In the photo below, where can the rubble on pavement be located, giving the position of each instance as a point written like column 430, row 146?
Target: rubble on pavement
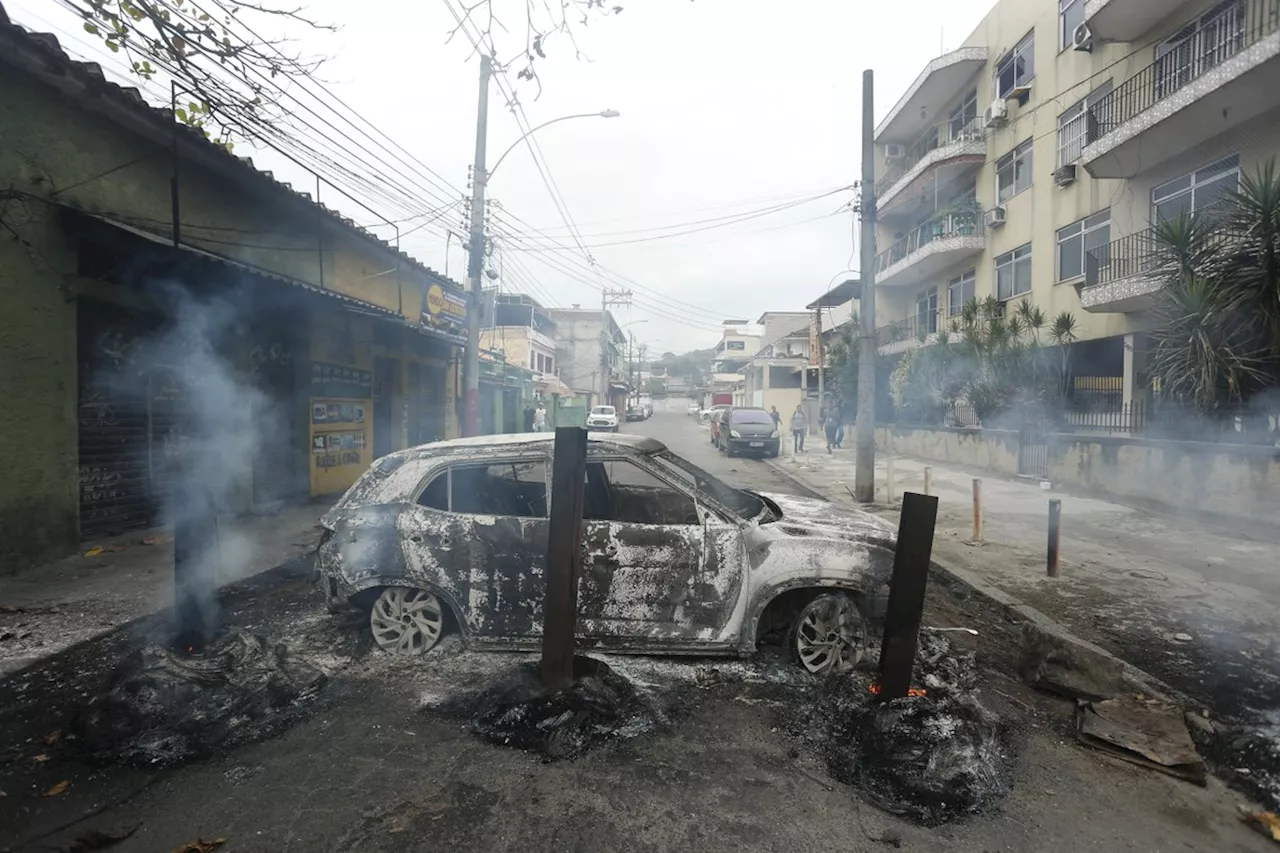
column 1055, row 661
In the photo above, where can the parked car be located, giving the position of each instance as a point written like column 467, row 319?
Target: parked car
column 603, row 417
column 648, row 410
column 694, row 409
column 707, row 414
column 635, row 413
column 748, row 430
column 453, row 536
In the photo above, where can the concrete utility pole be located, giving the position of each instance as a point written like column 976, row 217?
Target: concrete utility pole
column 608, row 296
column 819, row 355
column 864, row 482
column 475, row 262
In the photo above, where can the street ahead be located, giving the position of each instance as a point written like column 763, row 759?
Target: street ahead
column 375, row 768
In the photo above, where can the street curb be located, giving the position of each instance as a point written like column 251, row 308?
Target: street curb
column 1017, row 611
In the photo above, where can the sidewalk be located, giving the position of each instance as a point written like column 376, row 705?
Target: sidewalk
column 1196, row 606
column 49, row 608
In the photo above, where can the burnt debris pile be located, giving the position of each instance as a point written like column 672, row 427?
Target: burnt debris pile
column 933, row 757
column 599, row 706
column 162, row 707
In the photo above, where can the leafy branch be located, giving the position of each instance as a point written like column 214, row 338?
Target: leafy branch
column 230, row 76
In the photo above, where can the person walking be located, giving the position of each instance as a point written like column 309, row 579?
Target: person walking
column 799, row 426
column 528, row 418
column 540, row 419
column 777, row 417
column 830, row 425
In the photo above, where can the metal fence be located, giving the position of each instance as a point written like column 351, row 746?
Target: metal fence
column 915, row 327
column 959, row 223
column 1235, row 27
column 958, row 131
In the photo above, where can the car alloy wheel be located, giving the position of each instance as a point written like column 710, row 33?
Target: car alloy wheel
column 406, row 621
column 829, row 634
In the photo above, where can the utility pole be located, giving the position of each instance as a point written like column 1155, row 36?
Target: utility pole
column 608, row 296
column 475, row 262
column 819, row 355
column 864, row 482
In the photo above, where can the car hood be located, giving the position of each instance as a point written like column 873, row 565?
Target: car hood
column 810, row 518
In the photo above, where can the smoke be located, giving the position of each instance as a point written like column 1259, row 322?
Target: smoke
column 206, row 423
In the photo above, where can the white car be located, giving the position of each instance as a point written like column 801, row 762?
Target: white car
column 694, row 409
column 603, row 417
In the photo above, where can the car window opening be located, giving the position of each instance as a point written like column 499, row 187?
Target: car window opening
column 619, row 490
column 513, row 489
column 742, row 503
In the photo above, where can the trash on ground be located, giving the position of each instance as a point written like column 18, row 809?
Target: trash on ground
column 160, row 707
column 99, row 550
column 200, row 846
column 53, row 738
column 601, row 705
column 1268, row 823
column 1055, row 661
column 1149, row 734
column 58, row 789
column 932, row 757
column 157, row 539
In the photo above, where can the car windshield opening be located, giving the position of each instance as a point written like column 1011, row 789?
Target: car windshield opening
column 751, row 416
column 742, row 503
column 603, row 410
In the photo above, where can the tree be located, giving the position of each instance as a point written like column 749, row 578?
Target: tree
column 1217, row 340
column 228, row 77
column 842, row 366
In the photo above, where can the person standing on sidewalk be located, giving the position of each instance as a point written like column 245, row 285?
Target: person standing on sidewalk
column 777, row 417
column 799, row 426
column 540, row 419
column 830, row 424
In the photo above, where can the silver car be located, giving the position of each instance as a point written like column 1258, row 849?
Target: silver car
column 453, row 536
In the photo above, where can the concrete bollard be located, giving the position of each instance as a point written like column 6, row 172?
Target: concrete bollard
column 1055, row 529
column 888, row 477
column 928, row 480
column 977, row 510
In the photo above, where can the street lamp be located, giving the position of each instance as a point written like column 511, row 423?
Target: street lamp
column 532, row 130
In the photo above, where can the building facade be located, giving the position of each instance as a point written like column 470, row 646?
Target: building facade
column 779, row 372
column 270, row 341
column 591, row 352
column 1032, row 162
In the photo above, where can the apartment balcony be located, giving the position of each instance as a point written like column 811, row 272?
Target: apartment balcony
column 1216, row 80
column 1125, row 20
column 936, row 164
column 942, row 81
column 1121, row 276
column 918, row 330
column 927, row 251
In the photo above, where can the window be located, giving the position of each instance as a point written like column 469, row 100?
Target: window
column 964, row 118
column 620, row 490
column 1198, row 191
column 1013, row 273
column 1013, row 172
column 1075, row 241
column 503, row 488
column 1018, row 66
column 960, row 292
column 1073, row 125
column 927, row 312
column 551, row 368
column 1071, row 13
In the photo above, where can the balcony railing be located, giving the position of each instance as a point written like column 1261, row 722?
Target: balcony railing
column 1235, row 28
column 960, row 223
column 1121, row 259
column 955, row 131
column 916, row 327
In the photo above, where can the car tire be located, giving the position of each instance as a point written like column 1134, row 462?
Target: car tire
column 829, row 634
column 406, row 620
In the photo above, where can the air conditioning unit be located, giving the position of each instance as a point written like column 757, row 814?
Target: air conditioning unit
column 893, row 151
column 1065, row 175
column 1082, row 38
column 995, row 217
column 997, row 114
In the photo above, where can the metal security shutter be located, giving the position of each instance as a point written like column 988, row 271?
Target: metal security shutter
column 274, row 466
column 114, row 440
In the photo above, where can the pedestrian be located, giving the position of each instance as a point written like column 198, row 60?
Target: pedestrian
column 528, row 418
column 799, row 426
column 830, row 424
column 540, row 419
column 777, row 417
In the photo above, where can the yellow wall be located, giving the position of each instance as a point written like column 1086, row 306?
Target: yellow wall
column 340, row 342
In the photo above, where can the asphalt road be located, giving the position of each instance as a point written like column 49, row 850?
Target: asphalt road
column 373, row 768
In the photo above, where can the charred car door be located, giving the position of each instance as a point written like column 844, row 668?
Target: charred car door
column 499, row 510
column 646, row 578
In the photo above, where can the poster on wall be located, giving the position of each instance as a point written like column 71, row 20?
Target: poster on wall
column 335, row 380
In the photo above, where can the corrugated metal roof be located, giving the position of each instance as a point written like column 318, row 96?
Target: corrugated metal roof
column 96, row 84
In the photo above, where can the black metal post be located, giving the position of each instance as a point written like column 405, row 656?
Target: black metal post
column 906, row 593
column 1055, row 528
column 564, row 555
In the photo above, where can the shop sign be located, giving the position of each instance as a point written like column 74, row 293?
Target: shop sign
column 334, row 380
column 443, row 309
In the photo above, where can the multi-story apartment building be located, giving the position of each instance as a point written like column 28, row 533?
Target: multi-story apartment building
column 1031, row 162
column 590, row 353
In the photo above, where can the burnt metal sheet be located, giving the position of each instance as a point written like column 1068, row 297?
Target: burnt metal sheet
column 1149, row 734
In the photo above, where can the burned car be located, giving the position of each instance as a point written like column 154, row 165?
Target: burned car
column 452, row 536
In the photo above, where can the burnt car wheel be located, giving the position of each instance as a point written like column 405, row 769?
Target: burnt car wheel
column 829, row 635
column 406, row 621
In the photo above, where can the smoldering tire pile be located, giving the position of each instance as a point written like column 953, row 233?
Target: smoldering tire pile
column 931, row 758
column 161, row 708
column 599, row 706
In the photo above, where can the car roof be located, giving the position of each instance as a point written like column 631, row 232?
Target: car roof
column 514, row 441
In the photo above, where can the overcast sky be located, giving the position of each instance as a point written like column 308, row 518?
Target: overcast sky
column 736, row 105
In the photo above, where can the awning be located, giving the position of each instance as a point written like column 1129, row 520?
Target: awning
column 349, row 303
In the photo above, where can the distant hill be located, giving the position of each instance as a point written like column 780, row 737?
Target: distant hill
column 693, row 366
